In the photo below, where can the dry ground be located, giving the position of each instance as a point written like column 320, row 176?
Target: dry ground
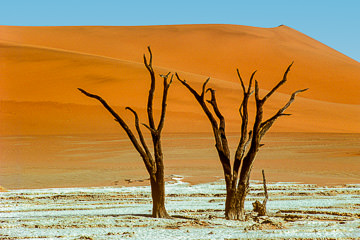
column 295, row 211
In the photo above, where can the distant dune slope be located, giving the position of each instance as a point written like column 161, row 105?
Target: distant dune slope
column 41, row 67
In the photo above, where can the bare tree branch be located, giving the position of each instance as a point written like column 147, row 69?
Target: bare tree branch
column 250, row 82
column 163, row 105
column 219, row 134
column 257, row 96
column 148, row 65
column 284, row 79
column 201, row 101
column 151, row 91
column 243, row 110
column 203, row 87
column 224, row 142
column 241, row 81
column 153, row 131
column 213, row 103
column 142, row 140
column 119, row 120
column 265, row 126
column 196, row 95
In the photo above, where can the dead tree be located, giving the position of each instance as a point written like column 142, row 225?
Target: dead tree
column 153, row 163
column 237, row 175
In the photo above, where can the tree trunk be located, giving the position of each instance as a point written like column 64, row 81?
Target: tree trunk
column 158, row 195
column 231, row 211
column 234, row 204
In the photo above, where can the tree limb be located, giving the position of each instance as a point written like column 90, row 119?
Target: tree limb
column 153, row 131
column 148, row 65
column 213, row 103
column 120, row 121
column 243, row 110
column 151, row 91
column 201, row 101
column 219, row 135
column 250, row 82
column 241, row 81
column 257, row 96
column 203, row 87
column 142, row 140
column 284, row 79
column 224, row 142
column 163, row 105
column 196, row 95
column 265, row 126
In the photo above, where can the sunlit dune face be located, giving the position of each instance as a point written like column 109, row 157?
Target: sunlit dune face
column 42, row 67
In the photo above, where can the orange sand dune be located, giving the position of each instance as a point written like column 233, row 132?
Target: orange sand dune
column 43, row 66
column 53, row 136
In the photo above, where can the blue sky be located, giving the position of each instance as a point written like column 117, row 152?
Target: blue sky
column 336, row 23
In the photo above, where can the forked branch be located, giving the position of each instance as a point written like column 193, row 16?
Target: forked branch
column 219, row 133
column 204, row 87
column 214, row 105
column 201, row 101
column 265, row 126
column 142, row 140
column 243, row 110
column 148, row 65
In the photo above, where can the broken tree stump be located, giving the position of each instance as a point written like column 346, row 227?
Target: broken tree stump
column 259, row 207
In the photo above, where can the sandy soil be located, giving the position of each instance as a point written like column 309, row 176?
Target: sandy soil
column 109, row 160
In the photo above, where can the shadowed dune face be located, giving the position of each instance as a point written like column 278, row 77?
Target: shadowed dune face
column 41, row 67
